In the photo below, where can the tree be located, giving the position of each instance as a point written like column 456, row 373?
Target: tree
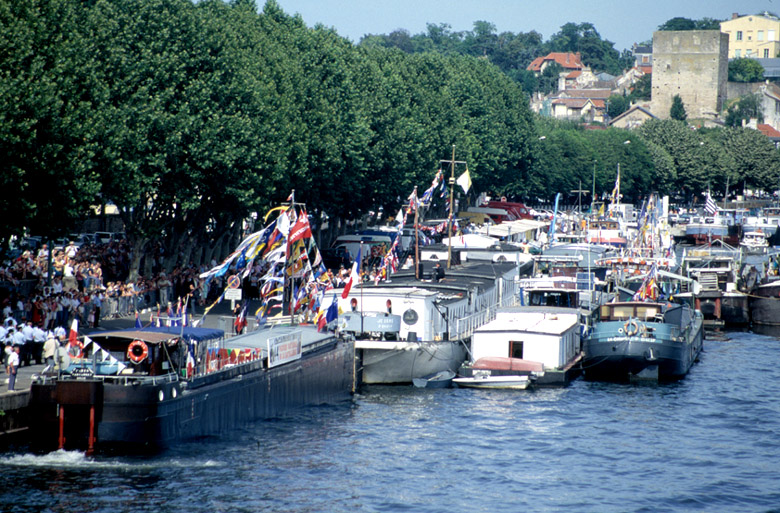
column 678, row 23
column 43, row 120
column 677, row 112
column 686, row 149
column 617, row 104
column 744, row 109
column 642, row 89
column 745, row 69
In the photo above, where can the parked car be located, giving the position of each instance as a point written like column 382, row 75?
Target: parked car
column 106, row 237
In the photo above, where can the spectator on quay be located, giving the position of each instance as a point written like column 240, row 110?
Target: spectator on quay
column 39, row 339
column 29, row 338
column 97, row 304
column 49, row 349
column 13, row 367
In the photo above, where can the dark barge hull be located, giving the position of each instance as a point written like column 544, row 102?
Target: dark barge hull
column 633, row 359
column 157, row 415
column 765, row 304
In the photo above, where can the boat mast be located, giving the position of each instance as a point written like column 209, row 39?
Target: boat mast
column 452, row 202
column 288, row 267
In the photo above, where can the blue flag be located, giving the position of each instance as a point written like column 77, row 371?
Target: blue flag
column 333, row 311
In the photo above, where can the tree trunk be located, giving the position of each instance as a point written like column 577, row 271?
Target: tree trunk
column 135, row 262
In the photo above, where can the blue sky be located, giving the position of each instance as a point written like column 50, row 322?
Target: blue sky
column 622, row 22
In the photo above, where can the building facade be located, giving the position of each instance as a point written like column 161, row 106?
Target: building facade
column 694, row 65
column 755, row 36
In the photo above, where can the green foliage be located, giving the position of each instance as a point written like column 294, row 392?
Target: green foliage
column 745, row 108
column 745, row 69
column 511, row 52
column 597, row 53
column 548, row 80
column 642, row 89
column 679, row 23
column 689, row 158
column 677, row 111
column 617, row 104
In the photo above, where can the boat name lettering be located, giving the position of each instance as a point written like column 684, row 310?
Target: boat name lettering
column 637, row 339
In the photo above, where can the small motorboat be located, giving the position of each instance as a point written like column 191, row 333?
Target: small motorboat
column 441, row 379
column 480, row 380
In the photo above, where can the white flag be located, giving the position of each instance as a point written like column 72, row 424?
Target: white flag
column 464, row 181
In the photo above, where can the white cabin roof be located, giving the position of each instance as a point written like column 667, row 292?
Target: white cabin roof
column 548, row 323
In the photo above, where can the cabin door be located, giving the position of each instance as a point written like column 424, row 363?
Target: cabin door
column 515, row 349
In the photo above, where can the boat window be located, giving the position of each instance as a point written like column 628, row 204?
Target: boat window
column 644, row 312
column 622, row 312
column 515, row 349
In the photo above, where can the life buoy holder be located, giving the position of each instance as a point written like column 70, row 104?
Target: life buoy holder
column 631, row 327
column 137, row 351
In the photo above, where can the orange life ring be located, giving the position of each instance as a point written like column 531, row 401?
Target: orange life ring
column 631, row 327
column 137, row 351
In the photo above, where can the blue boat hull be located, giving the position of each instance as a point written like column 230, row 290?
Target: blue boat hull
column 614, row 356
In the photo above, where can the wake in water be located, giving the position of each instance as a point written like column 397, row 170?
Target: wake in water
column 75, row 460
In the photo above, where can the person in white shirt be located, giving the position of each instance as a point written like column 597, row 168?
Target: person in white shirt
column 13, row 367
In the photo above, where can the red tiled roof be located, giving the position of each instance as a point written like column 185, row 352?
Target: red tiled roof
column 647, row 70
column 536, row 64
column 574, row 74
column 567, row 60
column 768, row 130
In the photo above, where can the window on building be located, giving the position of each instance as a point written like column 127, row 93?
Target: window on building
column 760, row 35
column 777, row 107
column 737, row 53
column 766, row 53
column 515, row 349
column 748, row 53
column 739, row 35
column 770, row 35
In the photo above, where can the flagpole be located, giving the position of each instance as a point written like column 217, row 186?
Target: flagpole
column 361, row 285
column 289, row 289
column 452, row 202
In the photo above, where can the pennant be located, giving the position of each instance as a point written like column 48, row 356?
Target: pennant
column 301, row 229
column 464, row 181
column 710, row 206
column 240, row 322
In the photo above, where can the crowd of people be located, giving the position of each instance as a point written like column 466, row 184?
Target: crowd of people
column 88, row 283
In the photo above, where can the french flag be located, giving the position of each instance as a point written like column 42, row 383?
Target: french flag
column 353, row 276
column 73, row 336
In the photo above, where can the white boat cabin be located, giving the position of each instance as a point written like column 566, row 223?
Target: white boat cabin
column 550, row 337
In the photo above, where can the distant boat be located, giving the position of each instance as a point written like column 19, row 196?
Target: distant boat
column 441, row 379
column 755, row 242
column 716, row 269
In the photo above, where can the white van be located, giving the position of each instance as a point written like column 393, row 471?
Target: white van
column 352, row 243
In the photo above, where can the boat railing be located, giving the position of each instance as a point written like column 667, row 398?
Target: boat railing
column 465, row 326
column 118, row 379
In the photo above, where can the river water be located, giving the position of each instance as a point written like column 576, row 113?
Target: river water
column 710, row 443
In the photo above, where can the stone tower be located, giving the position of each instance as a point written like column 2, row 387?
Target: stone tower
column 694, row 65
